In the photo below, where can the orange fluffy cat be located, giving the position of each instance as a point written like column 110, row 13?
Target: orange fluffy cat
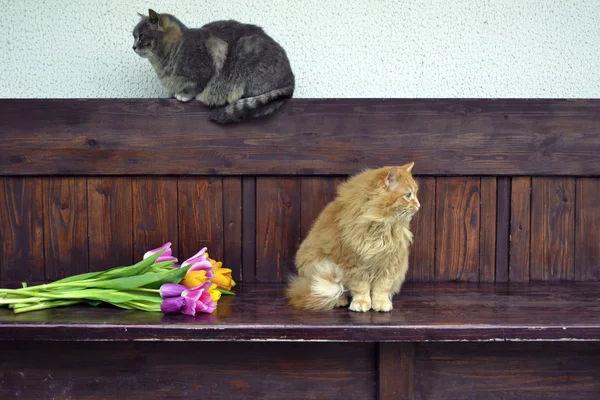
column 358, row 246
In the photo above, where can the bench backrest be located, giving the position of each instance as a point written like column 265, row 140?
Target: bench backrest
column 510, row 189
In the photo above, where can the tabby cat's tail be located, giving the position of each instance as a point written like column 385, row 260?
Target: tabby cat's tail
column 320, row 292
column 252, row 107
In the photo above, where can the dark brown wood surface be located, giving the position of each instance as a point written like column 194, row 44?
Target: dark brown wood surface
column 520, row 229
column 232, row 225
column 308, row 136
column 587, row 228
column 396, row 366
column 422, row 312
column 457, row 233
column 487, row 229
column 216, row 370
column 503, row 229
column 422, row 254
column 528, row 371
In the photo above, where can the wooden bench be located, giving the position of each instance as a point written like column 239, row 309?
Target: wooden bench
column 502, row 301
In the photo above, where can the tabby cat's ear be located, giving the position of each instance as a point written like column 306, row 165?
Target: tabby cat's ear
column 142, row 16
column 153, row 16
column 390, row 179
column 409, row 166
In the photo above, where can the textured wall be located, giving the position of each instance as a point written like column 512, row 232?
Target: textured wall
column 344, row 48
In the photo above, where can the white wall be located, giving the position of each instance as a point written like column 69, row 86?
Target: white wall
column 344, row 48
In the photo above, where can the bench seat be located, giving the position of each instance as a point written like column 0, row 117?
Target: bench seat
column 423, row 312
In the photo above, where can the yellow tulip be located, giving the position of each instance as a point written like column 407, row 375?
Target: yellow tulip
column 214, row 293
column 223, row 278
column 194, row 278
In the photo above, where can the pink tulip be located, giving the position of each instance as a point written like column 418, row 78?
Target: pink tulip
column 165, row 256
column 198, row 300
column 199, row 256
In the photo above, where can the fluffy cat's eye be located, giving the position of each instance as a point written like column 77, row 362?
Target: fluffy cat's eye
column 141, row 37
column 408, row 195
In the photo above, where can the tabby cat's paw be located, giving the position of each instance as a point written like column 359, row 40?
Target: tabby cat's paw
column 384, row 305
column 360, row 305
column 342, row 301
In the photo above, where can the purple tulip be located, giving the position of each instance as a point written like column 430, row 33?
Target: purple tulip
column 173, row 305
column 165, row 256
column 171, row 290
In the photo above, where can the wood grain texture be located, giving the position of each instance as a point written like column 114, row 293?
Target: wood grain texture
column 65, row 227
column 503, row 229
column 232, row 225
column 552, row 228
column 487, row 230
column 559, row 311
column 396, row 371
column 249, row 229
column 200, row 215
column 532, row 371
column 421, row 265
column 307, row 137
column 520, row 229
column 277, row 227
column 154, row 214
column 21, row 229
column 457, row 229
column 172, row 371
column 316, row 193
column 587, row 226
column 110, row 222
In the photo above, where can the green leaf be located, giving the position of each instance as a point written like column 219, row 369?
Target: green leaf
column 226, row 292
column 175, row 275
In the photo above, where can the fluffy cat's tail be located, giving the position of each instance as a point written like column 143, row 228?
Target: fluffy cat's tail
column 319, row 292
column 252, row 107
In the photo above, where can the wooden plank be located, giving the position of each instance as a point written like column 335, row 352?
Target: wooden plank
column 110, row 222
column 21, row 229
column 520, row 229
column 532, row 371
column 503, row 229
column 552, row 229
column 457, row 229
column 232, row 225
column 154, row 214
column 65, row 227
column 396, row 371
column 159, row 370
column 200, row 208
column 308, row 137
column 487, row 232
column 587, row 242
column 421, row 265
column 249, row 229
column 495, row 312
column 316, row 193
column 277, row 227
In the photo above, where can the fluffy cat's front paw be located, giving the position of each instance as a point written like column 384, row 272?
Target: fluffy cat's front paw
column 383, row 305
column 360, row 305
column 183, row 97
column 342, row 301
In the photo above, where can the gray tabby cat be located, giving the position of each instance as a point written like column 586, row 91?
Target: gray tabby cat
column 224, row 63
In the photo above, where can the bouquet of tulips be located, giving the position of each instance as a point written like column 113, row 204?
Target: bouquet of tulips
column 156, row 283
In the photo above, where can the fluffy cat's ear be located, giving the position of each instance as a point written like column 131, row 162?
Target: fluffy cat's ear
column 142, row 16
column 408, row 167
column 390, row 179
column 153, row 16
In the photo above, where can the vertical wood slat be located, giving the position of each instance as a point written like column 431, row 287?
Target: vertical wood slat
column 587, row 240
column 457, row 229
column 316, row 193
column 503, row 229
column 552, row 229
column 110, row 218
column 249, row 229
column 65, row 227
column 396, row 371
column 154, row 214
column 200, row 209
column 421, row 265
column 232, row 225
column 21, row 229
column 520, row 229
column 487, row 232
column 277, row 227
